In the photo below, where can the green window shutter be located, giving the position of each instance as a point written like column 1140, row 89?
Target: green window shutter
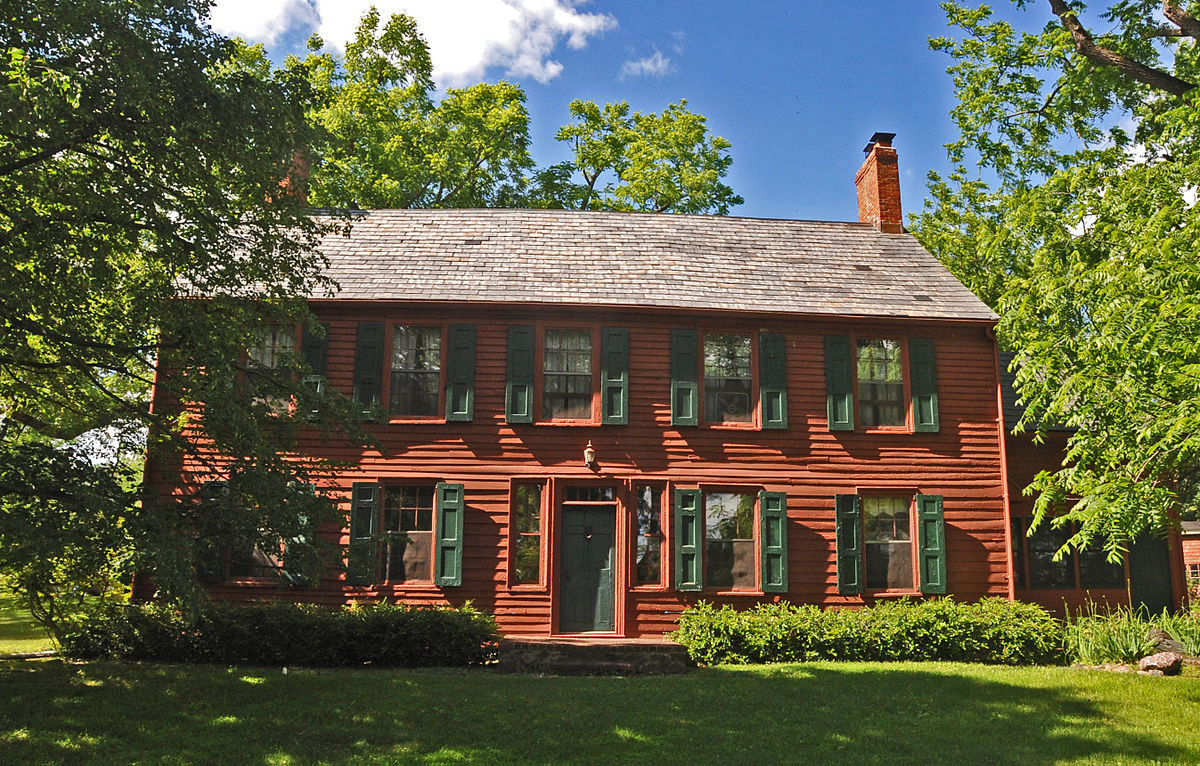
column 450, row 512
column 361, row 560
column 518, row 395
column 772, row 380
column 848, row 510
column 460, row 374
column 772, row 541
column 614, row 377
column 923, row 377
column 839, row 383
column 932, row 528
column 685, row 391
column 315, row 351
column 689, row 547
column 368, row 363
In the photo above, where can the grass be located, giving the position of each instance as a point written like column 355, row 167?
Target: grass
column 52, row 711
column 18, row 632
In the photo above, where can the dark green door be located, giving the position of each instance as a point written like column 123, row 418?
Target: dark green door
column 586, row 572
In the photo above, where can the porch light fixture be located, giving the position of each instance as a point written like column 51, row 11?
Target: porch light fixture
column 589, row 456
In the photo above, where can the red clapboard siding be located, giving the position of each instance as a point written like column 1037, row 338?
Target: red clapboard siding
column 962, row 462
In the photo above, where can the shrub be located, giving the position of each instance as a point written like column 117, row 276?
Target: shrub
column 992, row 630
column 286, row 634
column 1184, row 627
column 1095, row 637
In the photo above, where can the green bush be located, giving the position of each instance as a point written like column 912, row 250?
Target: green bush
column 286, row 634
column 992, row 631
column 1095, row 636
column 1184, row 628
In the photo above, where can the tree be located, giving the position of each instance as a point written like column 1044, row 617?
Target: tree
column 389, row 144
column 1078, row 223
column 657, row 162
column 146, row 225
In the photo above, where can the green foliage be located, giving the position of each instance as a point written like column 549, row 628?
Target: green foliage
column 1184, row 627
column 1071, row 211
column 144, row 162
column 992, row 631
column 657, row 162
column 301, row 635
column 1118, row 636
column 387, row 143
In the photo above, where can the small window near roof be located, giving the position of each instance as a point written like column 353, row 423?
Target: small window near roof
column 727, row 378
column 880, row 383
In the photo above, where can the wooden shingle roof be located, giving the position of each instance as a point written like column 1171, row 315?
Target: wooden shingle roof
column 641, row 259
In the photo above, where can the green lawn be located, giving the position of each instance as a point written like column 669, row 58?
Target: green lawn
column 52, row 711
column 18, row 632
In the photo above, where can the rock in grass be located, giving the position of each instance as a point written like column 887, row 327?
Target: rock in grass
column 1164, row 641
column 1168, row 662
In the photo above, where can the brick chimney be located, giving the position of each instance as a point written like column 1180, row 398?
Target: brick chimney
column 878, row 182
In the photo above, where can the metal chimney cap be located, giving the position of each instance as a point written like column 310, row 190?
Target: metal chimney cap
column 879, row 138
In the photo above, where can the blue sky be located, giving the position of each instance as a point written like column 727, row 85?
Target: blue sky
column 797, row 87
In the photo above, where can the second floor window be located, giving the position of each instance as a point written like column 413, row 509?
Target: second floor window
column 567, row 371
column 416, row 370
column 880, row 383
column 727, row 378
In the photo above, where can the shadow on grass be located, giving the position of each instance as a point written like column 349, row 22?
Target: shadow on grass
column 104, row 712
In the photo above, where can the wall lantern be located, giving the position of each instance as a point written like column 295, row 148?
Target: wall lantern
column 589, row 456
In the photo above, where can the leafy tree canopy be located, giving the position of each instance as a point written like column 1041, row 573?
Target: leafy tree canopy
column 1072, row 210
column 389, row 143
column 141, row 165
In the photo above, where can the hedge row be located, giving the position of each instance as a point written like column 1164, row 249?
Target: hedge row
column 993, row 631
column 300, row 635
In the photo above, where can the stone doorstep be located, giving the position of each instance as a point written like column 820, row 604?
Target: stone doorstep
column 591, row 656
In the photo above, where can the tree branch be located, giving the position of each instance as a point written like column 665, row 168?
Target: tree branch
column 1181, row 18
column 1086, row 46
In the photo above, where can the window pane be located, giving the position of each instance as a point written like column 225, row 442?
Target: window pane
column 567, row 375
column 408, row 534
column 527, row 558
column 727, row 379
column 1096, row 572
column 590, row 494
column 529, row 507
column 252, row 561
column 729, row 543
column 888, row 542
column 649, row 535
column 880, row 383
column 1018, row 545
column 527, row 538
column 1044, row 571
column 416, row 370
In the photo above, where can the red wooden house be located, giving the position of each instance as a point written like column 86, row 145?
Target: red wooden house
column 597, row 419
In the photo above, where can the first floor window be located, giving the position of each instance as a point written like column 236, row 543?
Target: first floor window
column 567, row 375
column 649, row 535
column 527, row 533
column 1035, row 567
column 416, row 370
column 890, row 543
column 880, row 383
column 887, row 536
column 729, row 539
column 727, row 378
column 407, row 549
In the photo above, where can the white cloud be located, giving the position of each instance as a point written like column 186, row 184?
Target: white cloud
column 655, row 65
column 261, row 21
column 466, row 37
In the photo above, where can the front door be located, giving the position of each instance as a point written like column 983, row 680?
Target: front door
column 586, row 579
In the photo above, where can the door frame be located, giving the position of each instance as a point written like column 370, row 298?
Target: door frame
column 621, row 535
